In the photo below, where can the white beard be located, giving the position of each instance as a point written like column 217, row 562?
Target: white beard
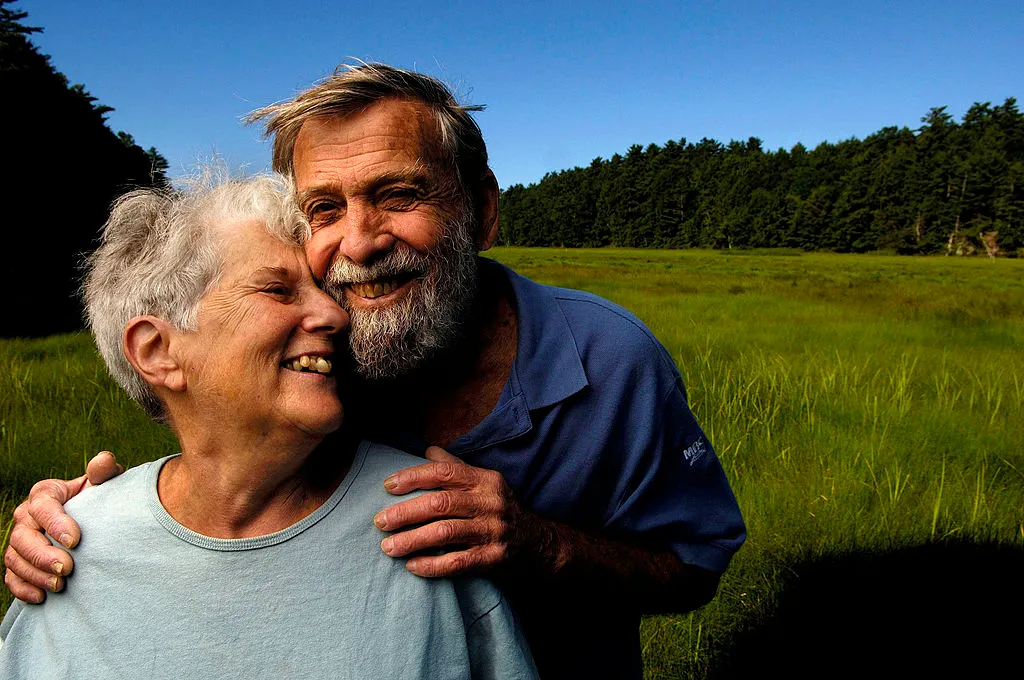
column 390, row 342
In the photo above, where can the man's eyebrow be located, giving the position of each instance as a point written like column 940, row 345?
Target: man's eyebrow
column 419, row 174
column 325, row 190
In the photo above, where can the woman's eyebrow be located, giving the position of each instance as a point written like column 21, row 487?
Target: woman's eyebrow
column 273, row 272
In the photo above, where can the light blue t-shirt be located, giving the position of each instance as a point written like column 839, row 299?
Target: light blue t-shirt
column 153, row 599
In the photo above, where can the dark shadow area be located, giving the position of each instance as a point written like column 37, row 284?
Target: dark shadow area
column 948, row 610
column 61, row 166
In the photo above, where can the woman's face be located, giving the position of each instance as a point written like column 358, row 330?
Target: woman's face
column 260, row 357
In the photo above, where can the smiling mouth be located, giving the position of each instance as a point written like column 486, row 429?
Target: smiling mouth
column 380, row 287
column 308, row 363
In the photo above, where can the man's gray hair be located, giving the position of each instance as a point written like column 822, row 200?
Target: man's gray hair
column 354, row 87
column 158, row 256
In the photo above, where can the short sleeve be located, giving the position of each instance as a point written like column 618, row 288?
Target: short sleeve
column 676, row 491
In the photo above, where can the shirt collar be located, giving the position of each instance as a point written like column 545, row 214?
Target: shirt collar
column 547, row 367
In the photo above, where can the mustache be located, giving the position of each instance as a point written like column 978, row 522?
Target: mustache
column 402, row 260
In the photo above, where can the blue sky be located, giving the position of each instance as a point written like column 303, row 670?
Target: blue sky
column 564, row 82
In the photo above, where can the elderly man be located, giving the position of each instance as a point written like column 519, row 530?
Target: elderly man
column 579, row 479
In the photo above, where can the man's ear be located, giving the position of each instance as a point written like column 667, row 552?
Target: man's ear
column 147, row 343
column 487, row 205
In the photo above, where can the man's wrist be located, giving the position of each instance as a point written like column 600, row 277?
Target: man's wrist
column 541, row 547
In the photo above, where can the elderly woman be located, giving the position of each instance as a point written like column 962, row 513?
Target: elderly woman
column 252, row 553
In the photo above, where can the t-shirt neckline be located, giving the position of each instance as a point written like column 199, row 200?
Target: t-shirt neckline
column 254, row 542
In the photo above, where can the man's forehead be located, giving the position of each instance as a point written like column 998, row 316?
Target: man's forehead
column 389, row 125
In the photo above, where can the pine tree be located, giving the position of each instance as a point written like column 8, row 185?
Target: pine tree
column 62, row 168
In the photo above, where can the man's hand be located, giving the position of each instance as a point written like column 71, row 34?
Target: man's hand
column 470, row 508
column 474, row 511
column 33, row 564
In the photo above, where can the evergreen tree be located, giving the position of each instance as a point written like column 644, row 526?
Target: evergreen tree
column 943, row 186
column 62, row 169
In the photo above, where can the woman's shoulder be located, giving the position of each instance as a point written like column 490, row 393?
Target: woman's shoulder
column 380, row 458
column 373, row 464
column 118, row 500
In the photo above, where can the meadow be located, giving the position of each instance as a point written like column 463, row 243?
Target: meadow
column 867, row 410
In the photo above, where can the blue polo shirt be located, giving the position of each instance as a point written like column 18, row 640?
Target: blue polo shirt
column 593, row 429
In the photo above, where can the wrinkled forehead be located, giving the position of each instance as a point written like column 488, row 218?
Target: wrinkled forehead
column 246, row 245
column 403, row 128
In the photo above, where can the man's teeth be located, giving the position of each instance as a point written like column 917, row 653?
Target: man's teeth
column 309, row 363
column 374, row 289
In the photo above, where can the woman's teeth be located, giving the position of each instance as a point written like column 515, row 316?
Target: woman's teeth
column 374, row 289
column 309, row 363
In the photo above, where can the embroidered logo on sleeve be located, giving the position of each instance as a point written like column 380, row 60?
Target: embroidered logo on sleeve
column 695, row 451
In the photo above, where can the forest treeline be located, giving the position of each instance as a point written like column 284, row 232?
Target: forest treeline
column 944, row 187
column 62, row 167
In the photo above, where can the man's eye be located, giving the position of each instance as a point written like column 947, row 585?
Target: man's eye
column 321, row 212
column 398, row 199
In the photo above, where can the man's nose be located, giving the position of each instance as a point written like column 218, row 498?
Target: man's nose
column 360, row 236
column 365, row 235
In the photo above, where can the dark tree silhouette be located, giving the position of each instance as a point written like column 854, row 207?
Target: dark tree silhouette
column 61, row 169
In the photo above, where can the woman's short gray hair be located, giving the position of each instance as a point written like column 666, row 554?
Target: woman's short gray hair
column 354, row 87
column 157, row 257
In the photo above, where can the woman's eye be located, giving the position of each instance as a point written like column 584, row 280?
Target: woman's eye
column 278, row 290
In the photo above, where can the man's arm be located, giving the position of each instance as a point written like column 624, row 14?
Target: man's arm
column 474, row 510
column 33, row 564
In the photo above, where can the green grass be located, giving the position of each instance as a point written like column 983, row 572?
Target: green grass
column 58, row 407
column 860, row 405
column 863, row 407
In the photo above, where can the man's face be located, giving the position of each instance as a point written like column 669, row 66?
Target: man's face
column 392, row 237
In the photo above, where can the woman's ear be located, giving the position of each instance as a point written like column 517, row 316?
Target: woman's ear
column 148, row 346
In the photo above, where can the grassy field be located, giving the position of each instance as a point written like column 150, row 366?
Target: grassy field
column 867, row 409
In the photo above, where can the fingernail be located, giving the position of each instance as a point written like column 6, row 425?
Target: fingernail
column 390, row 483
column 412, row 565
column 387, row 545
column 57, row 568
column 65, row 540
column 380, row 521
column 37, row 598
column 54, row 583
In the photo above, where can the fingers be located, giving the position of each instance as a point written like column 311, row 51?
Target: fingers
column 436, row 505
column 102, row 468
column 437, row 454
column 22, row 590
column 30, row 544
column 27, row 582
column 469, row 506
column 45, row 505
column 434, row 475
column 441, row 533
column 34, row 565
column 449, row 473
column 475, row 559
